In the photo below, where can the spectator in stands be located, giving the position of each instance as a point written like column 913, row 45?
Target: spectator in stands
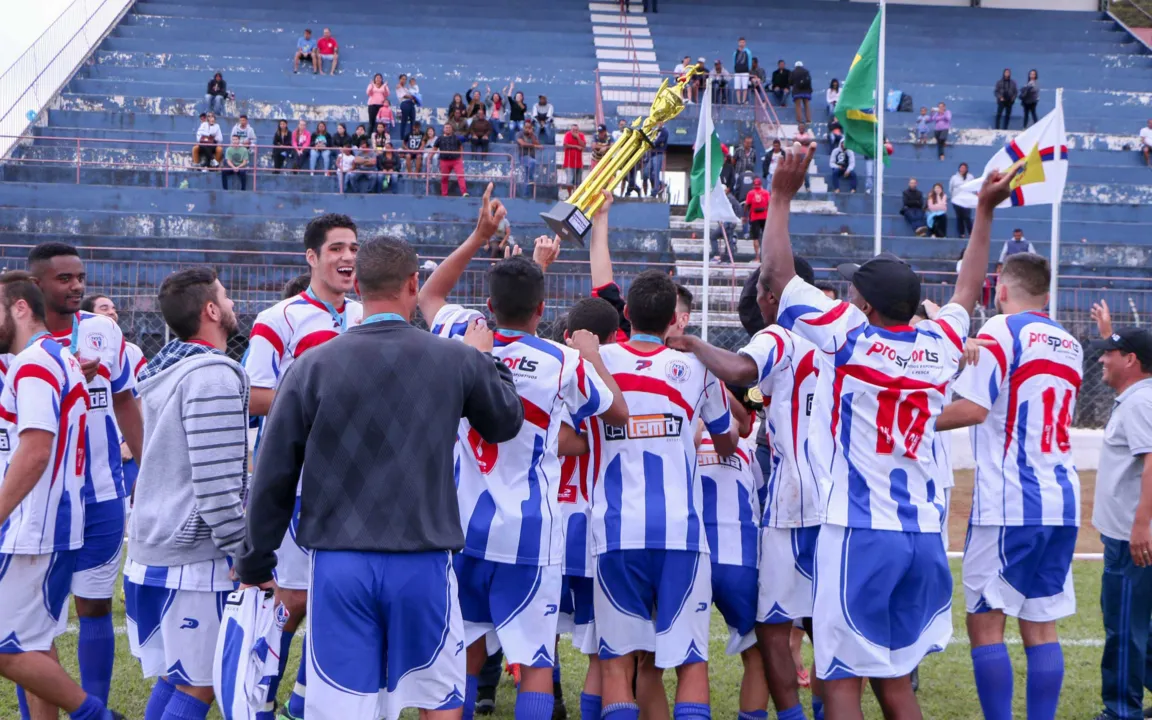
column 543, row 113
column 475, row 100
column 1018, row 244
column 345, row 162
column 781, row 83
column 937, row 216
column 245, row 130
column 480, row 131
column 456, row 104
column 719, row 83
column 301, row 143
column 913, row 208
column 802, row 92
column 360, row 133
column 574, row 144
column 923, row 126
column 688, row 91
column 321, row 152
column 757, row 77
column 406, row 94
column 459, row 123
column 741, row 68
column 431, row 151
column 832, row 96
column 843, row 167
column 217, row 94
column 745, row 156
column 236, row 163
column 1146, row 143
column 650, row 6
column 941, row 124
column 517, row 112
column 1006, row 93
column 771, row 158
column 380, row 136
column 306, row 51
column 757, row 204
column 963, row 214
column 497, row 115
column 364, row 175
column 835, row 135
column 528, row 143
column 378, row 92
column 1030, row 96
column 727, row 171
column 388, row 164
column 450, row 161
column 329, row 49
column 700, row 78
column 653, row 173
column 209, row 150
column 341, row 139
column 282, row 151
column 600, row 144
column 414, row 150
column 386, row 116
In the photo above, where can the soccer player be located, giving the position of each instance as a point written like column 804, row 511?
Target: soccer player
column 98, row 344
column 188, row 518
column 280, row 335
column 1020, row 398
column 785, row 366
column 43, row 415
column 882, row 583
column 653, row 589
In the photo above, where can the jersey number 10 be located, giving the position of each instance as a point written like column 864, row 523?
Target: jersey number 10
column 909, row 416
column 1056, row 425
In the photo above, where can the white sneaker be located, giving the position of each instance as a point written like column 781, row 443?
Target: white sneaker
column 215, row 164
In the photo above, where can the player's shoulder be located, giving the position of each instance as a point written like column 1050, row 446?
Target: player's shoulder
column 48, row 355
column 354, row 309
column 91, row 323
column 276, row 314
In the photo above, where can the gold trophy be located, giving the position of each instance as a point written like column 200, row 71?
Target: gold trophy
column 571, row 219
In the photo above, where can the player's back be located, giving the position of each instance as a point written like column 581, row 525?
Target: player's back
column 731, row 487
column 578, row 476
column 649, row 496
column 1029, row 381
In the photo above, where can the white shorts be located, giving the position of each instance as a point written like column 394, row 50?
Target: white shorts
column 944, row 522
column 173, row 632
column 577, row 612
column 883, row 602
column 1024, row 571
column 518, row 604
column 293, row 563
column 740, row 81
column 787, row 565
column 98, row 563
column 654, row 600
column 34, row 598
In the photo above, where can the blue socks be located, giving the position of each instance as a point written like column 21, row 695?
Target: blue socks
column 796, row 712
column 685, row 711
column 22, row 700
column 753, row 715
column 274, row 686
column 296, row 700
column 556, row 670
column 158, row 701
column 92, row 709
column 993, row 669
column 1045, row 677
column 590, row 706
column 817, row 708
column 621, row 711
column 96, row 650
column 470, row 696
column 185, row 707
column 534, row 705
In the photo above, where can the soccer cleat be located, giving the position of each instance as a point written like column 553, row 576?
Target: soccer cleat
column 1148, row 712
column 486, row 700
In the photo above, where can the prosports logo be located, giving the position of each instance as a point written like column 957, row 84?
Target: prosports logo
column 520, row 364
column 889, row 353
column 645, row 427
column 1054, row 342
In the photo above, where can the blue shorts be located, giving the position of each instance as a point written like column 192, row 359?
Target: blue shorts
column 384, row 634
column 519, row 604
column 883, row 601
column 1024, row 571
column 734, row 589
column 98, row 561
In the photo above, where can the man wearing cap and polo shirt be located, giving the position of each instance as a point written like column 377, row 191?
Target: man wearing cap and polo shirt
column 1123, row 515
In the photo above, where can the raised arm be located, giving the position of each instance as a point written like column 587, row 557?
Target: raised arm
column 599, row 256
column 970, row 282
column 434, row 294
column 776, row 261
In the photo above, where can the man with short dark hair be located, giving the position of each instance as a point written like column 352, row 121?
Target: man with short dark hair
column 781, row 83
column 236, row 162
column 306, row 51
column 449, row 145
column 480, row 131
column 188, row 518
column 741, row 66
column 383, row 511
column 1014, row 246
column 574, row 145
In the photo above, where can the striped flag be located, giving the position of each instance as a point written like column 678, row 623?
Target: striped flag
column 719, row 209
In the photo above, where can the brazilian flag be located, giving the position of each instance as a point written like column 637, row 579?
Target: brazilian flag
column 856, row 109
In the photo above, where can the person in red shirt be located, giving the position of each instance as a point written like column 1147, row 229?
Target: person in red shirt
column 757, row 203
column 329, row 49
column 574, row 144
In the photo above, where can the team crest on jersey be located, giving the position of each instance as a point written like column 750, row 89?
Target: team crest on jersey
column 96, row 342
column 485, row 452
column 281, row 615
column 677, row 371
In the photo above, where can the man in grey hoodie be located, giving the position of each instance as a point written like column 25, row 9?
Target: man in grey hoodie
column 188, row 517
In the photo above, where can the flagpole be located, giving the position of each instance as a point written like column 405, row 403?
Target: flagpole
column 878, row 161
column 1054, row 259
column 706, row 106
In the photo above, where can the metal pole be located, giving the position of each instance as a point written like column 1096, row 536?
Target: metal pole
column 1054, row 258
column 878, row 162
column 706, row 106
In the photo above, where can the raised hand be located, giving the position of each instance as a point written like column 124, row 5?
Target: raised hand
column 512, row 250
column 546, row 251
column 479, row 336
column 792, row 169
column 996, row 189
column 609, row 198
column 584, row 341
column 1102, row 316
column 492, row 212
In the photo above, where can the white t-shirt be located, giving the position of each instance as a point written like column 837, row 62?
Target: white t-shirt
column 1146, row 136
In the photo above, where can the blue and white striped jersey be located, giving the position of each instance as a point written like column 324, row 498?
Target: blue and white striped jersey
column 246, row 659
column 578, row 476
column 1028, row 381
column 202, row 576
column 650, row 494
column 874, row 421
column 731, row 503
column 509, row 492
column 789, row 367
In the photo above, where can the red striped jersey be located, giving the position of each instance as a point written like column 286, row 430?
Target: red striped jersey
column 788, row 368
column 44, row 390
column 874, row 417
column 578, row 476
column 284, row 331
column 509, row 492
column 1028, row 381
column 731, row 488
column 650, row 495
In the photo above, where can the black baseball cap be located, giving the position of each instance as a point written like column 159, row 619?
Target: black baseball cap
column 888, row 284
column 1129, row 340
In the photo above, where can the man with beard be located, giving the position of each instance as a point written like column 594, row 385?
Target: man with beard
column 280, row 335
column 188, row 517
column 43, row 411
column 98, row 344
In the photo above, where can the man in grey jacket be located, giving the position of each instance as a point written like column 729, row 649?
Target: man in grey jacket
column 188, row 517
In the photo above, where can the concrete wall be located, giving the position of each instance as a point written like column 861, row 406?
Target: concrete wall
column 1074, row 5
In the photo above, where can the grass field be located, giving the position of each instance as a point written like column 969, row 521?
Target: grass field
column 946, row 692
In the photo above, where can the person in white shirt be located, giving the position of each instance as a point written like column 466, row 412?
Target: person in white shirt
column 245, row 130
column 842, row 165
column 210, row 142
column 1146, row 143
column 963, row 214
column 832, row 96
column 679, row 70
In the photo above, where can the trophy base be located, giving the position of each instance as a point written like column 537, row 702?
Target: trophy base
column 567, row 222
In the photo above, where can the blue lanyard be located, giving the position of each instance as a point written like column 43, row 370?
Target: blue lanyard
column 37, row 336
column 74, row 341
column 340, row 319
column 383, row 317
column 512, row 333
column 641, row 337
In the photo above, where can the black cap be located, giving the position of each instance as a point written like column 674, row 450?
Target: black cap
column 1129, row 340
column 888, row 284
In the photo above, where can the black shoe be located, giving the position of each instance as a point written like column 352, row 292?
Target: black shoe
column 559, row 710
column 1148, row 712
column 916, row 679
column 486, row 700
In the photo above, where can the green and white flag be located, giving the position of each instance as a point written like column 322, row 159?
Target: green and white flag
column 719, row 209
